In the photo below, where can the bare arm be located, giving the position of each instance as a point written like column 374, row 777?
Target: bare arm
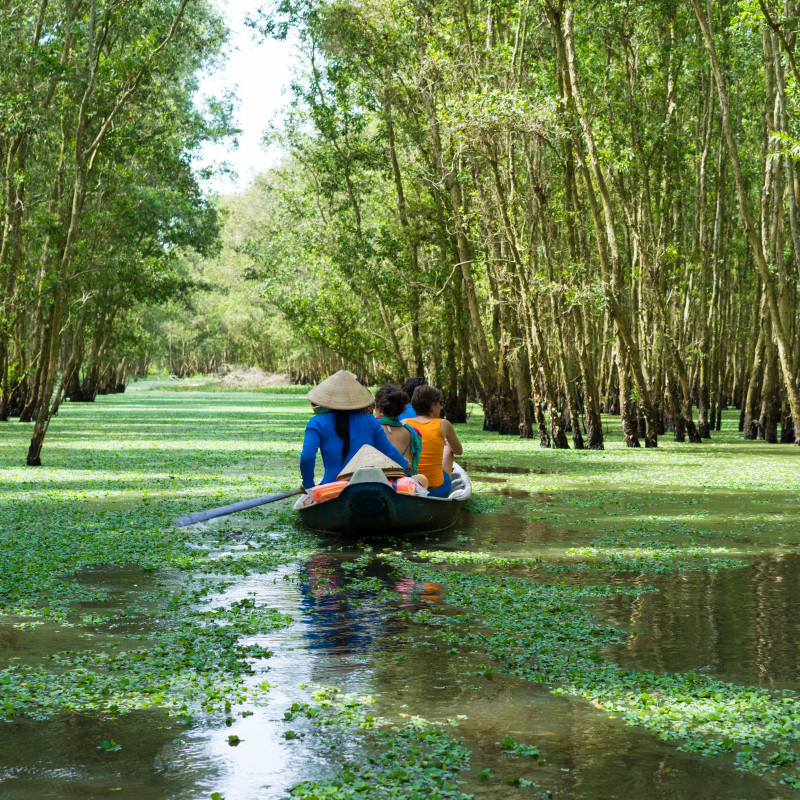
column 449, row 433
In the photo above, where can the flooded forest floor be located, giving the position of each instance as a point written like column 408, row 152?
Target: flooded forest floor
column 616, row 624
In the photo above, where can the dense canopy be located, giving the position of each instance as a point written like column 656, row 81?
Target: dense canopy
column 554, row 208
column 97, row 130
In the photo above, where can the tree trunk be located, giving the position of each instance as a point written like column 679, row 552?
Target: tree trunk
column 752, row 404
column 627, row 408
column 591, row 395
column 770, row 404
column 541, row 425
column 50, row 362
column 756, row 243
column 604, row 221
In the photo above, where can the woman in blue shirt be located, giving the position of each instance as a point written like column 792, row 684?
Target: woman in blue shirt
column 339, row 427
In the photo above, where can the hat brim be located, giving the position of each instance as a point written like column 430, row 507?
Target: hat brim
column 341, row 392
column 369, row 456
column 319, row 399
column 389, row 472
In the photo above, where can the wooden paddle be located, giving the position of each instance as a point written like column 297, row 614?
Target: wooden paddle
column 201, row 516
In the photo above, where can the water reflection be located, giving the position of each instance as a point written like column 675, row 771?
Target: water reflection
column 60, row 759
column 741, row 625
column 344, row 621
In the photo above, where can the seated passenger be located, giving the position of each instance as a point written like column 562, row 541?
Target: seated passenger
column 439, row 440
column 389, row 404
column 408, row 387
column 340, row 427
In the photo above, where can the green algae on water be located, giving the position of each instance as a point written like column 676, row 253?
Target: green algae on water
column 591, row 526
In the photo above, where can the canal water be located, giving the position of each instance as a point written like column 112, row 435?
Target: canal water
column 737, row 624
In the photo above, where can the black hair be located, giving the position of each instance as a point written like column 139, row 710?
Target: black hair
column 342, row 428
column 391, row 400
column 424, row 398
column 409, row 384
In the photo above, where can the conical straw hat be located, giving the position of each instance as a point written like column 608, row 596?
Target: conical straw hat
column 341, row 392
column 368, row 456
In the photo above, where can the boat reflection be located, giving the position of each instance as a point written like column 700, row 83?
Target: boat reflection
column 345, row 615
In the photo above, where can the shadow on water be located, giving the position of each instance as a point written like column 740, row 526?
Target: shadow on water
column 507, row 530
column 472, row 467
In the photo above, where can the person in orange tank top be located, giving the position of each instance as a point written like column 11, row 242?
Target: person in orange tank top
column 439, row 441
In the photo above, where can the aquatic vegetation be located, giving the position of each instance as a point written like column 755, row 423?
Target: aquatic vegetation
column 416, row 760
column 56, row 522
column 196, row 665
column 512, row 747
column 155, row 617
column 109, row 746
column 473, row 557
column 544, row 633
column 663, row 557
column 203, row 384
column 330, row 707
column 488, row 504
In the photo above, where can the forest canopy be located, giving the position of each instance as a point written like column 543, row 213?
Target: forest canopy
column 554, row 208
column 97, row 130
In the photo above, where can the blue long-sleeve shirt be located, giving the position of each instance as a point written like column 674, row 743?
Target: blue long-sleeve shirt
column 321, row 435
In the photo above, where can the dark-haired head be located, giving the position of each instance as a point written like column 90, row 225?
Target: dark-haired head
column 409, row 384
column 391, row 400
column 425, row 398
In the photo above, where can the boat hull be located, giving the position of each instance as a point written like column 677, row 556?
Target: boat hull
column 374, row 509
column 370, row 509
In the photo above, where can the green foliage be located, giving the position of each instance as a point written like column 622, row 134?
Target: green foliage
column 417, row 759
column 188, row 657
column 515, row 748
column 102, row 198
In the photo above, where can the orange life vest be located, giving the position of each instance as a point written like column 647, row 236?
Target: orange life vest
column 327, row 491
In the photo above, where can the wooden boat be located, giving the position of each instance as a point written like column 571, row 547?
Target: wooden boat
column 368, row 506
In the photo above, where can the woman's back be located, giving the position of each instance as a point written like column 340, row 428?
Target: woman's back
column 400, row 438
column 430, row 462
column 321, row 435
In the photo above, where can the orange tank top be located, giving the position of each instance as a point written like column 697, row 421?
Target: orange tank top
column 430, row 462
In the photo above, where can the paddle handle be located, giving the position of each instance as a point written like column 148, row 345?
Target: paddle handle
column 211, row 513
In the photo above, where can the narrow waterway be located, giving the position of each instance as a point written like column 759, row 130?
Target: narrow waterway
column 738, row 624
